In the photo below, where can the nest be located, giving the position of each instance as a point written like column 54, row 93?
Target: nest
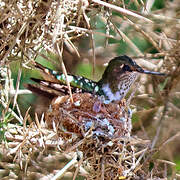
column 87, row 112
column 101, row 132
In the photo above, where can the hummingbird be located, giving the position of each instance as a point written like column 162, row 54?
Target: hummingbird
column 115, row 83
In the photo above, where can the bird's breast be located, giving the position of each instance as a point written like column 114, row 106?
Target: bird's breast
column 117, row 93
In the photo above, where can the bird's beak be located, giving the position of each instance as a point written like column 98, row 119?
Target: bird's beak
column 153, row 73
column 140, row 70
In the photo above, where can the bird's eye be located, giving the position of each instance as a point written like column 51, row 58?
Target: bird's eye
column 122, row 66
column 127, row 68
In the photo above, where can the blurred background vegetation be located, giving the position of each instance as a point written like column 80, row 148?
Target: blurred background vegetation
column 89, row 34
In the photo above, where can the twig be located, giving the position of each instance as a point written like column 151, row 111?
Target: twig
column 17, row 86
column 169, row 140
column 145, row 34
column 59, row 27
column 159, row 126
column 12, row 112
column 121, row 10
column 131, row 44
column 66, row 167
column 23, row 27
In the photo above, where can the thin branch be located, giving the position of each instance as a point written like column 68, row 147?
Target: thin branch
column 121, row 10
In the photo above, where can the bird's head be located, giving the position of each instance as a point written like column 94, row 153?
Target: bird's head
column 121, row 64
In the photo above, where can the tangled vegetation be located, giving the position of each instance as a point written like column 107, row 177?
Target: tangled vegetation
column 68, row 35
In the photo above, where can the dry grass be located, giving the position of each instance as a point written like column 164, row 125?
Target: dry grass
column 34, row 150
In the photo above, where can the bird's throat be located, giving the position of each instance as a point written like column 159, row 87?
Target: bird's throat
column 116, row 89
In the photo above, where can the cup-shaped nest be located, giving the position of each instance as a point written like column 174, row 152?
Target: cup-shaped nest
column 88, row 113
column 100, row 131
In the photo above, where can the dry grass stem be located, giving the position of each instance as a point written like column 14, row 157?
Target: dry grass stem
column 121, row 10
